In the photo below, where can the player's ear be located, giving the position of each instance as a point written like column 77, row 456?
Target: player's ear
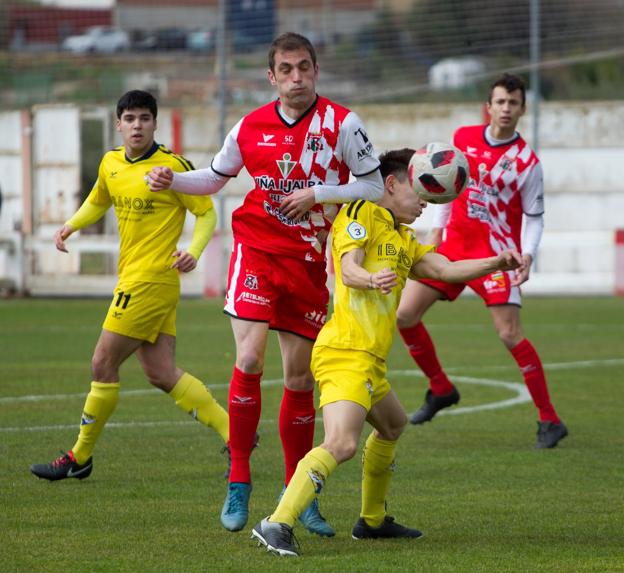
column 390, row 182
column 271, row 77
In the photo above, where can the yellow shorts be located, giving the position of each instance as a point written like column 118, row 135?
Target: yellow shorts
column 351, row 375
column 143, row 310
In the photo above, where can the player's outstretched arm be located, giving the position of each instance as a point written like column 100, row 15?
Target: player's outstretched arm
column 199, row 182
column 354, row 275
column 438, row 267
column 159, row 178
column 369, row 187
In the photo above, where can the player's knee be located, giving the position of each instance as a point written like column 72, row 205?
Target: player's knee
column 160, row 380
column 250, row 362
column 394, row 428
column 342, row 449
column 103, row 368
column 397, row 428
column 510, row 336
column 299, row 382
column 406, row 317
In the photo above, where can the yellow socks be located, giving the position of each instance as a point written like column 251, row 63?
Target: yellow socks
column 377, row 470
column 307, row 481
column 99, row 405
column 195, row 399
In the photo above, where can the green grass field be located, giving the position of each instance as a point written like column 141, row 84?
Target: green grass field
column 485, row 498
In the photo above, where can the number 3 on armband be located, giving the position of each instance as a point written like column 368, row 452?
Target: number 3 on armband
column 356, row 231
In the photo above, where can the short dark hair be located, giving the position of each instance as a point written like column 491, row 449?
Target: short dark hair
column 511, row 83
column 135, row 99
column 289, row 42
column 395, row 162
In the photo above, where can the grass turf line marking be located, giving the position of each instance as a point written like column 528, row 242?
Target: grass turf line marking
column 522, row 396
column 141, row 392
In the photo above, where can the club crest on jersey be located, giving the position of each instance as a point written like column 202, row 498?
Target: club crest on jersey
column 314, row 142
column 356, row 231
column 251, row 282
column 505, row 163
column 285, row 165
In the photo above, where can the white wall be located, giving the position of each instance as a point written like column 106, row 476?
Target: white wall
column 580, row 149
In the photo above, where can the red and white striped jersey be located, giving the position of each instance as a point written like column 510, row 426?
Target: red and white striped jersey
column 505, row 181
column 320, row 148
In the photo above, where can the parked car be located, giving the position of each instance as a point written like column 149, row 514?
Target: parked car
column 98, row 39
column 161, row 40
column 454, row 73
column 201, row 41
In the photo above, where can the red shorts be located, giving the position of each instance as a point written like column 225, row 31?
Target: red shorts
column 289, row 293
column 494, row 289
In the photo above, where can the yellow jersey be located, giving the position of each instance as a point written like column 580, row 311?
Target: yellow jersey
column 150, row 223
column 366, row 319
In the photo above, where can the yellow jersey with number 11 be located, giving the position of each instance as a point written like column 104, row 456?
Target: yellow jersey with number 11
column 150, row 224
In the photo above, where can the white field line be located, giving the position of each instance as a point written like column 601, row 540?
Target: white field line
column 522, row 396
column 417, row 373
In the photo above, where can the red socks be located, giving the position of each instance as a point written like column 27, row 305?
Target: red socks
column 531, row 368
column 244, row 406
column 422, row 350
column 296, row 426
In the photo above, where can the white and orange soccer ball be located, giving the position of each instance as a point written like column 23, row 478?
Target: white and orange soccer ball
column 438, row 172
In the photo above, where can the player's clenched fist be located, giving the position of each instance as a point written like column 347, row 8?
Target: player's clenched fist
column 159, row 178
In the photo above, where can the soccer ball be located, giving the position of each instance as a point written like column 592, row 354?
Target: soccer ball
column 438, row 172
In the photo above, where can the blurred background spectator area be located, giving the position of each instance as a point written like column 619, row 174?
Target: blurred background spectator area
column 428, row 50
column 413, row 69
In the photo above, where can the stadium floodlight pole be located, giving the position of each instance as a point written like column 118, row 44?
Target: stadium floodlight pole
column 221, row 107
column 222, row 69
column 535, row 81
column 535, row 70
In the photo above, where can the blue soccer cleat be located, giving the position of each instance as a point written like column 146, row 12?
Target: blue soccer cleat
column 235, row 510
column 314, row 522
column 312, row 519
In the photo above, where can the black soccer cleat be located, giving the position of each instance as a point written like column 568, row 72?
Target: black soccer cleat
column 549, row 434
column 387, row 530
column 226, row 450
column 433, row 404
column 63, row 467
column 278, row 538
